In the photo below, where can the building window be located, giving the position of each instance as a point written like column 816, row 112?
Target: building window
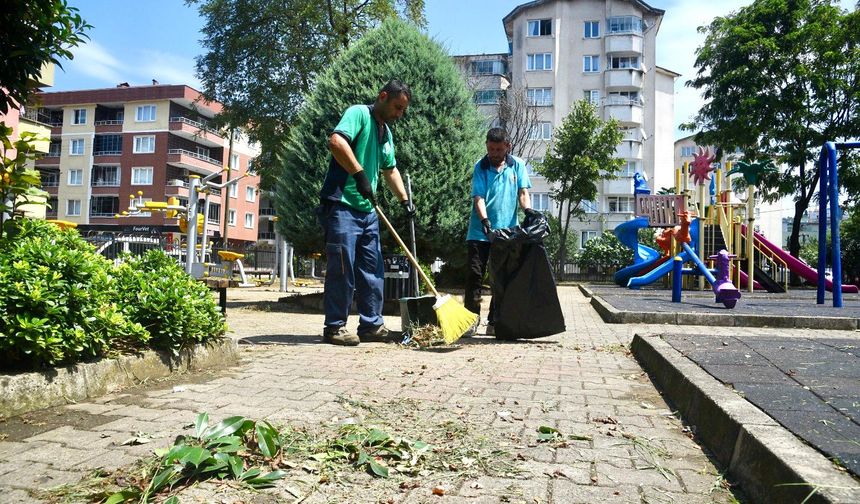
column 624, row 98
column 593, row 96
column 144, row 144
column 104, row 206
column 617, row 62
column 76, row 147
column 488, row 96
column 586, row 237
column 250, row 170
column 234, row 161
column 541, row 202
column 145, row 113
column 628, row 169
column 539, row 61
column 540, row 28
column 76, row 177
column 73, row 207
column 620, row 204
column 489, row 67
column 250, row 194
column 591, row 63
column 541, row 131
column 231, row 217
column 107, row 145
column 625, row 24
column 588, row 206
column 79, row 116
column 688, row 151
column 233, row 190
column 141, row 175
column 541, row 97
column 592, row 29
column 249, row 220
column 105, row 176
column 214, row 213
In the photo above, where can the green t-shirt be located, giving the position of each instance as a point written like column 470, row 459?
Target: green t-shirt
column 373, row 147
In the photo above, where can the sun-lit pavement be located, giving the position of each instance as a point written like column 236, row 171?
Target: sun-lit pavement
column 583, row 383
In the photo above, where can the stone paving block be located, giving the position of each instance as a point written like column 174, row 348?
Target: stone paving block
column 11, row 495
column 56, row 456
column 643, row 474
column 571, row 493
column 38, row 476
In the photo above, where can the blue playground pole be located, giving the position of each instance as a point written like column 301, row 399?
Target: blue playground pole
column 677, row 267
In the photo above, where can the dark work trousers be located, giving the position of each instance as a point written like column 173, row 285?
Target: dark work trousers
column 479, row 254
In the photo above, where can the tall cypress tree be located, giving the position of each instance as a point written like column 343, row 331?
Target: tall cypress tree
column 437, row 141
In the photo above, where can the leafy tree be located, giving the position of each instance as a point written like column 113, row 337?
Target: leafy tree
column 521, row 121
column 605, row 250
column 553, row 241
column 19, row 184
column 263, row 56
column 35, row 32
column 437, row 141
column 581, row 154
column 780, row 78
column 849, row 239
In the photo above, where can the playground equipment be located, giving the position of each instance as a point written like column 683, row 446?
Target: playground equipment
column 742, row 258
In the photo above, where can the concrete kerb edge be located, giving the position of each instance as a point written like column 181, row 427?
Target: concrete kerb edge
column 585, row 291
column 25, row 392
column 607, row 312
column 758, row 452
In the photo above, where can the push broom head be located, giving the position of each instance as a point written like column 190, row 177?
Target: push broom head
column 454, row 319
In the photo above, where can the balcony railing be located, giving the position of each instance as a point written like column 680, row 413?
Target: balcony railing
column 265, row 236
column 107, row 153
column 50, row 182
column 195, row 156
column 36, row 116
column 108, row 122
column 102, row 213
column 54, row 152
column 197, row 124
column 113, row 182
column 267, row 211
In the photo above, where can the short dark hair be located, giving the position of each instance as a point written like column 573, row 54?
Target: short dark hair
column 498, row 135
column 396, row 88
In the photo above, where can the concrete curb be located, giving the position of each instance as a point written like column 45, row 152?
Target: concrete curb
column 757, row 451
column 585, row 291
column 612, row 315
column 26, row 392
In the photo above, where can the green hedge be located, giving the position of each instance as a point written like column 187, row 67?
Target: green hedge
column 61, row 303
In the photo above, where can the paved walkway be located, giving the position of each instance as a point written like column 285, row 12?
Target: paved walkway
column 491, row 395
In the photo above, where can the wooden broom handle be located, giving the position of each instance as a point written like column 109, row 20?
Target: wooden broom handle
column 406, row 250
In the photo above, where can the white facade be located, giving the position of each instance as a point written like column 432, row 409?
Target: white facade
column 562, row 51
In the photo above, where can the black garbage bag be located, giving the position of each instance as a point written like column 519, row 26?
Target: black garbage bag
column 524, row 290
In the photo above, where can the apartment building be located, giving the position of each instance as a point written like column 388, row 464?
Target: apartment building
column 108, row 144
column 604, row 51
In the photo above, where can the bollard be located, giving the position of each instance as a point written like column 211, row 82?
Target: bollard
column 677, row 266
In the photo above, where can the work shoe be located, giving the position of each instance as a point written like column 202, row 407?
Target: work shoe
column 491, row 330
column 378, row 333
column 339, row 336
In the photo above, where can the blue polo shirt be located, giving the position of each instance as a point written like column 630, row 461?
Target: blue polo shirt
column 500, row 191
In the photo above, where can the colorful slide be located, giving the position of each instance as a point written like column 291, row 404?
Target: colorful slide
column 664, row 267
column 643, row 258
column 797, row 266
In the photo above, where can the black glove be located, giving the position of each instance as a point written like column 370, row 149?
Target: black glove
column 488, row 227
column 362, row 185
column 408, row 208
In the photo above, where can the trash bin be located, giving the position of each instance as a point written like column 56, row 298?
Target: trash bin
column 397, row 277
column 525, row 299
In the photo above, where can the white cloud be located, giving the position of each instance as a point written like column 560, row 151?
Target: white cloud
column 166, row 68
column 93, row 60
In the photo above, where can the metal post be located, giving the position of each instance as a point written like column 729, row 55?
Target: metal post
column 750, row 236
column 677, row 273
column 823, row 180
column 204, row 238
column 835, row 219
column 226, row 197
column 283, row 272
column 191, row 219
column 701, row 240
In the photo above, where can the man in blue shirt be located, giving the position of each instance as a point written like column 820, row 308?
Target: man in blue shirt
column 499, row 182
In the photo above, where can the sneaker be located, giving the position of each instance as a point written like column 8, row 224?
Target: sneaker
column 491, row 330
column 378, row 333
column 339, row 336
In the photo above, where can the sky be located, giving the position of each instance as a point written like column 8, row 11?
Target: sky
column 136, row 41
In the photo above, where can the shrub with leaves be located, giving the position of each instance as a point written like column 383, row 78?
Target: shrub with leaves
column 605, row 250
column 58, row 300
column 177, row 310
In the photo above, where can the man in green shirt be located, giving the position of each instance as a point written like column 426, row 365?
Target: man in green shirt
column 361, row 146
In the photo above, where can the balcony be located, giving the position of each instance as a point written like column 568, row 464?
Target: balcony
column 265, row 236
column 625, row 111
column 621, row 185
column 109, row 122
column 624, row 79
column 624, row 43
column 105, row 152
column 267, row 212
column 629, row 149
column 192, row 161
column 106, row 182
column 195, row 131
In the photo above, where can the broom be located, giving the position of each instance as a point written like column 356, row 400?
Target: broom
column 454, row 320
